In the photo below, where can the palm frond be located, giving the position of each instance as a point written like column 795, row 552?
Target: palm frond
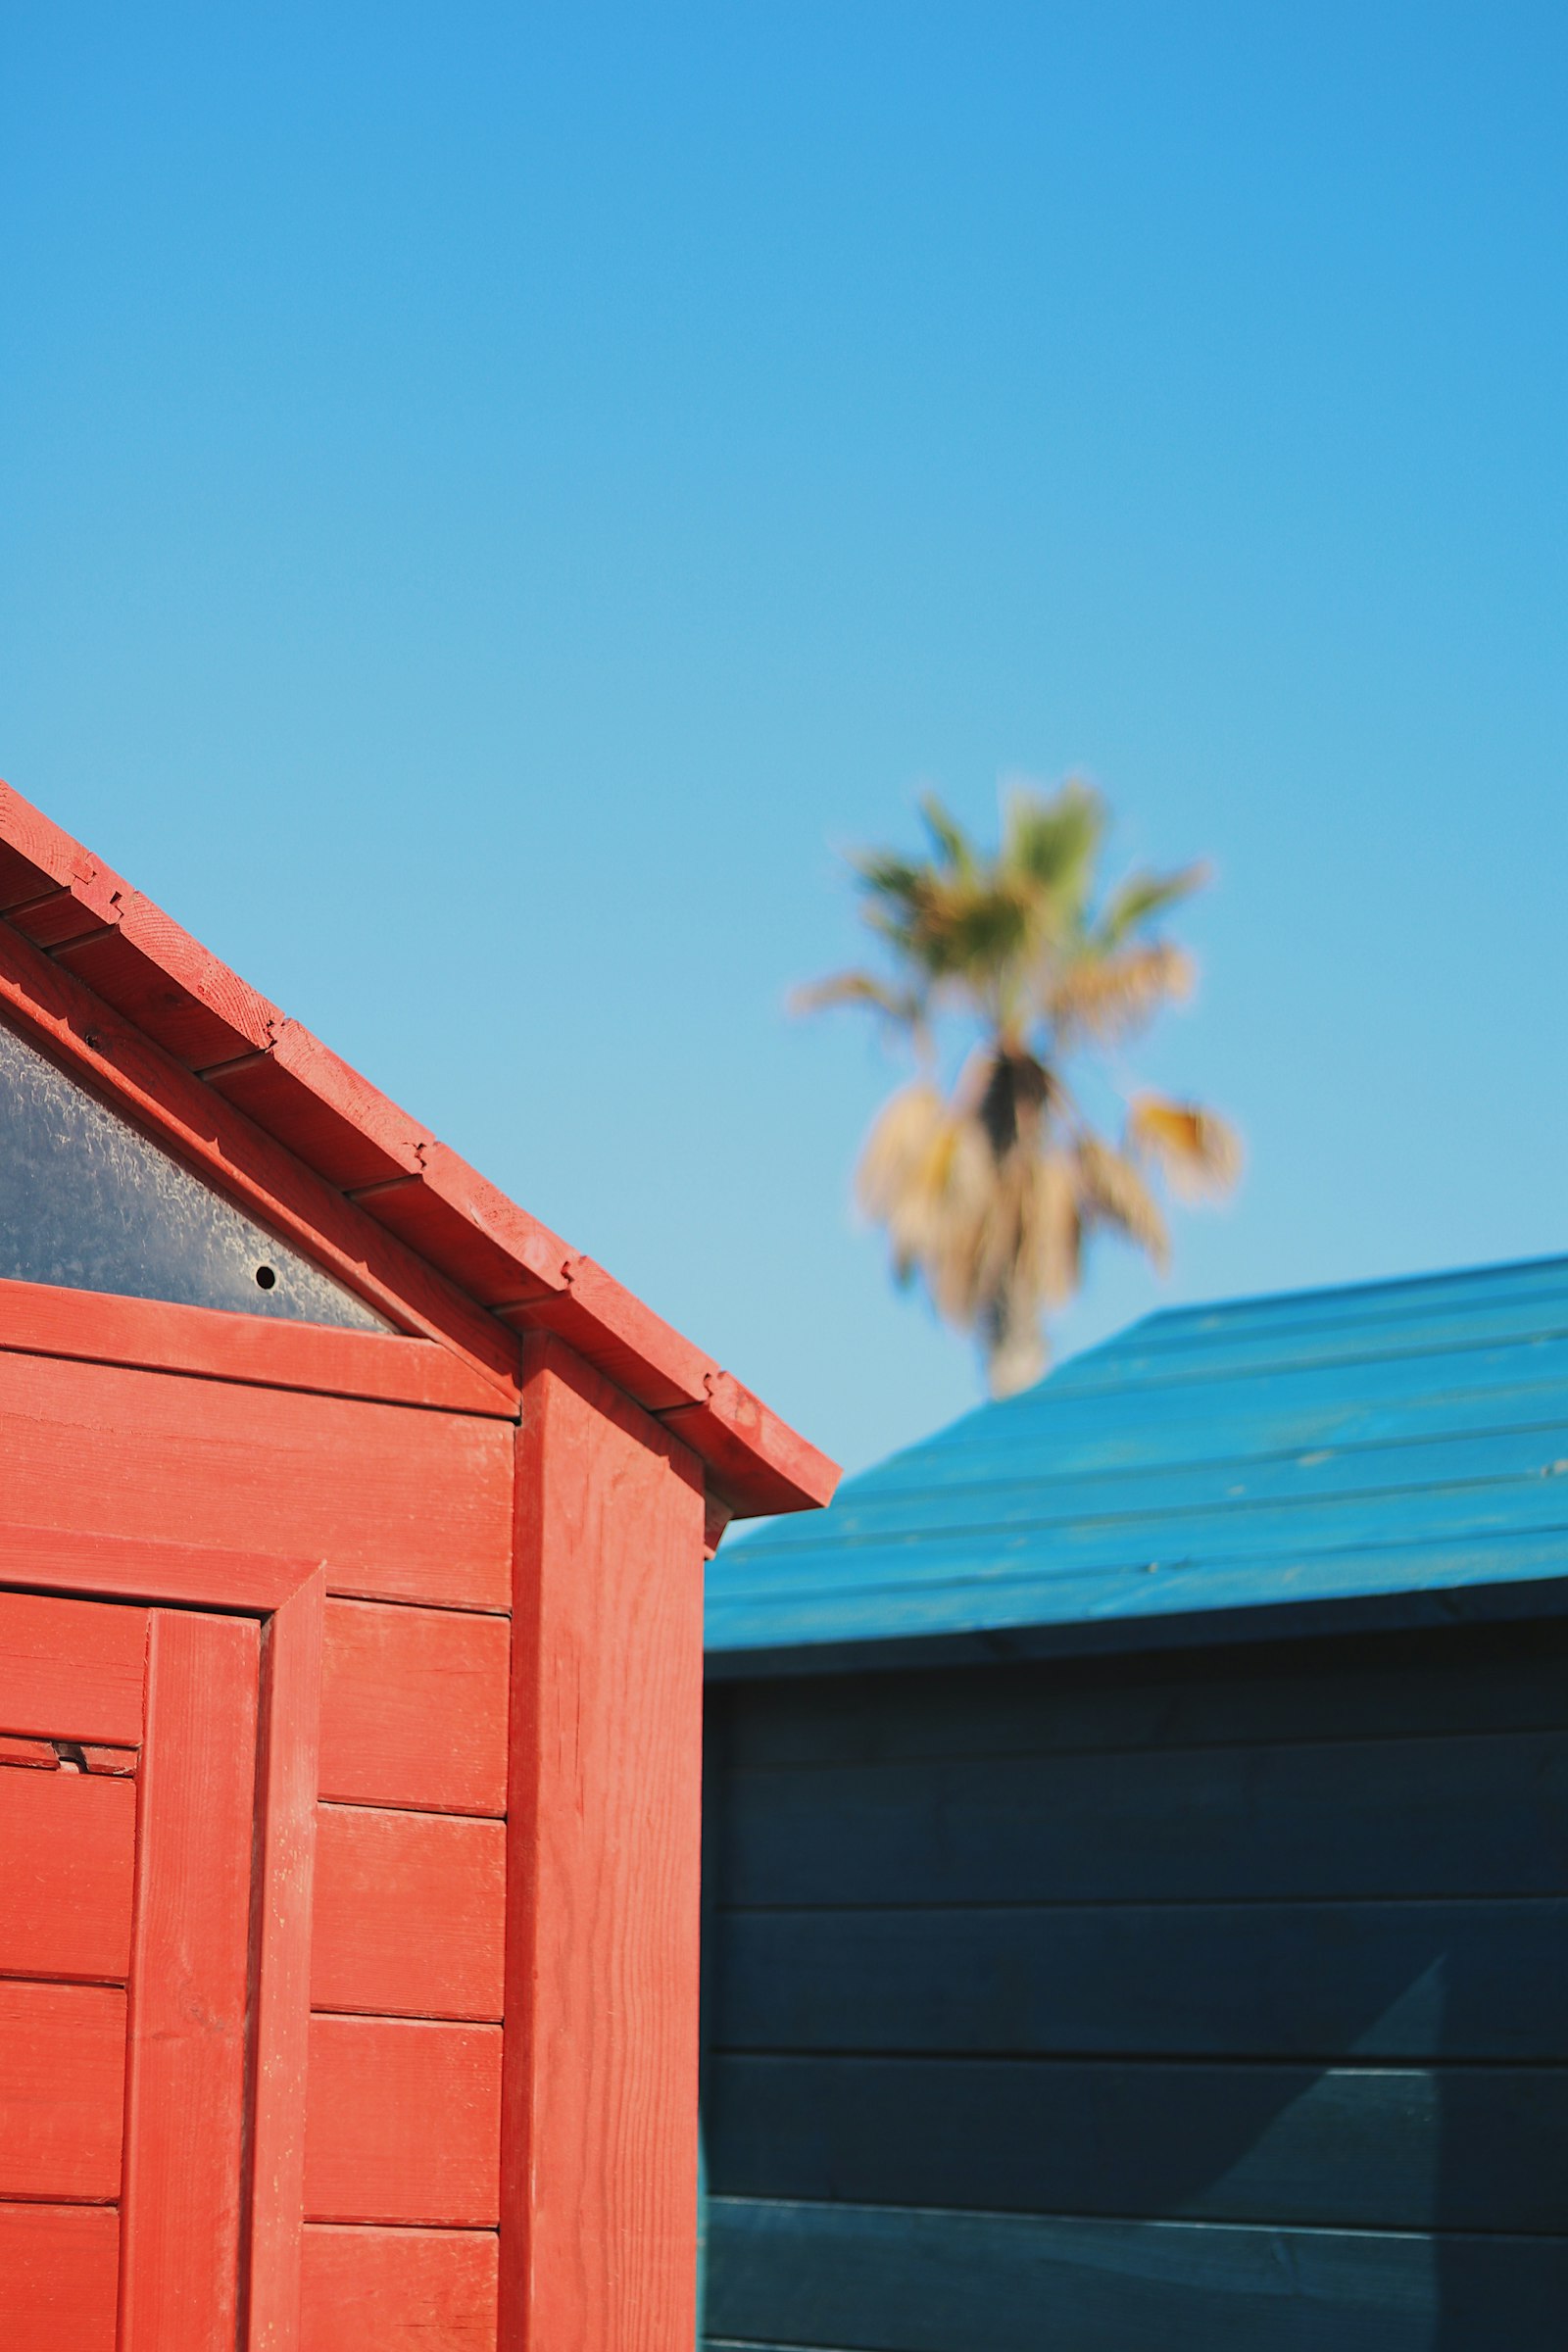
column 1054, row 843
column 1112, row 1192
column 1104, row 998
column 953, row 845
column 1138, row 899
column 922, row 1176
column 1197, row 1153
column 857, row 988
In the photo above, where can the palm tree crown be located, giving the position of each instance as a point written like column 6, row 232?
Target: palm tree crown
column 989, row 1191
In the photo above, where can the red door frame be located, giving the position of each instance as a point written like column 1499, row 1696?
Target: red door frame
column 289, row 1595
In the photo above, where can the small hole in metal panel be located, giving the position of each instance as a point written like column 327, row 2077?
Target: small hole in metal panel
column 264, row 1278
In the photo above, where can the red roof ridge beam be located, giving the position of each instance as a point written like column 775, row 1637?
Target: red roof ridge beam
column 150, row 970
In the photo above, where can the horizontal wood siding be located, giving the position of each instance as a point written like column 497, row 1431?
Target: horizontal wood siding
column 70, row 1843
column 409, row 1913
column 403, row 2141
column 1212, row 2000
column 840, row 2275
column 414, row 1708
column 59, row 2277
column 401, row 1503
column 1350, row 2147
column 404, row 2122
column 61, row 2090
column 70, row 1669
column 397, row 2290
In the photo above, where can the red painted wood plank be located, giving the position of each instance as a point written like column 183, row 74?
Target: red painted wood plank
column 30, row 1755
column 207, row 1015
column 457, row 1217
column 100, row 1327
column 109, row 1568
column 61, row 2090
column 19, row 879
column 70, row 1669
column 185, row 2082
column 283, row 1902
column 627, row 1342
column 59, row 2265
column 56, row 920
column 397, row 2290
column 54, row 857
column 68, row 1844
column 409, row 1913
column 597, row 2241
column 412, row 1505
column 414, row 1708
column 404, row 2122
column 122, row 1063
column 757, row 1460
column 323, row 1110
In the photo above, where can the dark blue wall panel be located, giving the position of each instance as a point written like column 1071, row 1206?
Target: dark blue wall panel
column 1210, row 2000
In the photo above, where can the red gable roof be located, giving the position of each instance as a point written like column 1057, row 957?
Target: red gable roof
column 228, row 1069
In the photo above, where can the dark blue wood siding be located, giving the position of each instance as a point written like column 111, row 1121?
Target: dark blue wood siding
column 1183, row 2000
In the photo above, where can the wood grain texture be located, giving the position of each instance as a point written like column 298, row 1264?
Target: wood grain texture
column 61, row 2090
column 755, row 1458
column 156, row 1335
column 204, row 1014
column 186, row 2077
column 70, row 1669
column 59, row 2272
column 404, row 2122
column 408, row 1504
column 282, row 1907
column 414, row 1708
column 1461, row 2147
column 455, row 1218
column 72, row 1560
column 322, row 1108
column 67, row 1846
column 622, row 1338
column 823, row 2274
column 31, row 1755
column 409, row 1913
column 599, row 2219
column 397, row 2290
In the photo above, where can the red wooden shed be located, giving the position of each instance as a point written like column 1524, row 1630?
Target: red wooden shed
column 351, row 1542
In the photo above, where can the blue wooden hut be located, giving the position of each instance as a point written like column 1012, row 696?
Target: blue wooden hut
column 1137, row 1855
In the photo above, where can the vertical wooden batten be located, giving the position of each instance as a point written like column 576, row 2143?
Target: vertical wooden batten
column 599, row 2112
column 282, row 1891
column 185, row 2053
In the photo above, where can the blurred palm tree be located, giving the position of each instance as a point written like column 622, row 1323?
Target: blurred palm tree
column 990, row 1191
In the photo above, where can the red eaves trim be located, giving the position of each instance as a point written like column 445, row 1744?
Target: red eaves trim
column 241, row 1048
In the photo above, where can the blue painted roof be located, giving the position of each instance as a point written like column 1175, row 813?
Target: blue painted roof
column 1324, row 1447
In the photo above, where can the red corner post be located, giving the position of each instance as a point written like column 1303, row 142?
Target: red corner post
column 599, row 2130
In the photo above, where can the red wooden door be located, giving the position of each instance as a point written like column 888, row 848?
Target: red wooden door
column 128, row 1780
column 166, row 1469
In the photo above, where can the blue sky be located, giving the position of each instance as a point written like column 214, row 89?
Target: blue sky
column 494, row 499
